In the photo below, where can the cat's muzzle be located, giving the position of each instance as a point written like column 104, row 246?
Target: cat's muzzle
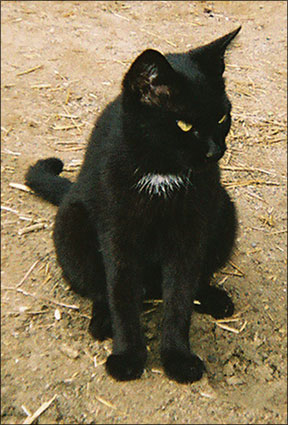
column 214, row 152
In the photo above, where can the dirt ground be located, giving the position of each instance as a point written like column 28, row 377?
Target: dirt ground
column 62, row 62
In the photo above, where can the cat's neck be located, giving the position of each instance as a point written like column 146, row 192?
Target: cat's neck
column 163, row 185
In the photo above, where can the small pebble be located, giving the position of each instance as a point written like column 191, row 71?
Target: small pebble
column 57, row 314
column 234, row 380
column 69, row 351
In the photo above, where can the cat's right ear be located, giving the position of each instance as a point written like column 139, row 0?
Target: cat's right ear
column 148, row 77
column 210, row 57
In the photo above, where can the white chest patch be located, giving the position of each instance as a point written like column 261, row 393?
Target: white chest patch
column 161, row 184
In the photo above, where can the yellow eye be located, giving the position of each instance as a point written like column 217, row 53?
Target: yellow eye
column 185, row 126
column 222, row 119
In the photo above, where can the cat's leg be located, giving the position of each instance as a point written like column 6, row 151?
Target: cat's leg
column 100, row 326
column 214, row 300
column 77, row 252
column 125, row 289
column 178, row 294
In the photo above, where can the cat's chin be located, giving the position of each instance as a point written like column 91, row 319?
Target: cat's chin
column 204, row 166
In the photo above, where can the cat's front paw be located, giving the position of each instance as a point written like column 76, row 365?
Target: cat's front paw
column 214, row 301
column 100, row 327
column 125, row 366
column 183, row 368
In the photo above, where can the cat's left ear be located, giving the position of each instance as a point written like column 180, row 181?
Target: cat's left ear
column 210, row 57
column 148, row 77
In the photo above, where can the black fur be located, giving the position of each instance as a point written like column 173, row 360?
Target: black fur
column 147, row 215
column 43, row 179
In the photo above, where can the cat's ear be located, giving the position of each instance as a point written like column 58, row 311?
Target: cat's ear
column 148, row 77
column 210, row 57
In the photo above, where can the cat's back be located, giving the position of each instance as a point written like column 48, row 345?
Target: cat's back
column 106, row 135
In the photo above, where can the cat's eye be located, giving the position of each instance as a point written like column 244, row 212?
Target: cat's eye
column 222, row 119
column 185, row 126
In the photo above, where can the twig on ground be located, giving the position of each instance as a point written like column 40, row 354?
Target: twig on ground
column 107, row 403
column 250, row 183
column 26, row 411
column 149, row 311
column 32, row 228
column 9, row 209
column 229, row 328
column 246, row 169
column 222, row 281
column 29, row 70
column 41, row 86
column 20, row 187
column 68, row 127
column 153, row 301
column 68, row 96
column 236, row 267
column 21, row 291
column 27, row 274
column 253, row 195
column 39, row 411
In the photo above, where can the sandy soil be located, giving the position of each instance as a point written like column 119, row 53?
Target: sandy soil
column 61, row 63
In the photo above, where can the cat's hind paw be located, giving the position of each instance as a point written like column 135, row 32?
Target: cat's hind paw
column 182, row 368
column 214, row 301
column 125, row 366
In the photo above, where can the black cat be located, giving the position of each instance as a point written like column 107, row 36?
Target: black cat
column 148, row 216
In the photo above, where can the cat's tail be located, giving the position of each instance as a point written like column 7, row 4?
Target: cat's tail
column 43, row 179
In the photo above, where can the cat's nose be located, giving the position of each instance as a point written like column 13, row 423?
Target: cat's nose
column 214, row 151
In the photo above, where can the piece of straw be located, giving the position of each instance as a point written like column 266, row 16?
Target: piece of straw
column 32, row 418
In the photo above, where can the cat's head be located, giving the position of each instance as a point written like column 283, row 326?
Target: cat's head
column 176, row 110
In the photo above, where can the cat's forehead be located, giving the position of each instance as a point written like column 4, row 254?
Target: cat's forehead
column 184, row 64
column 192, row 79
column 192, row 91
